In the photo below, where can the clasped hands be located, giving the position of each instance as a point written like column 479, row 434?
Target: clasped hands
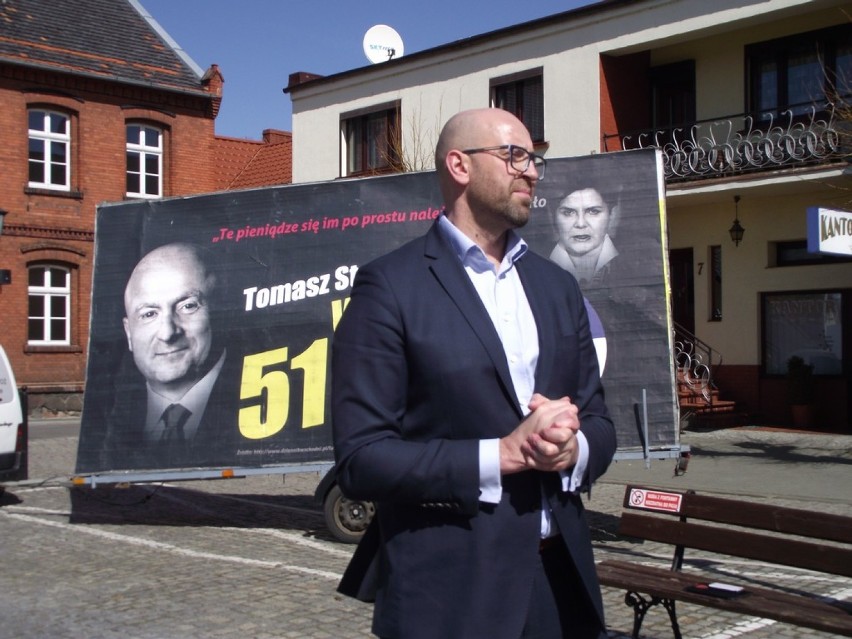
column 545, row 440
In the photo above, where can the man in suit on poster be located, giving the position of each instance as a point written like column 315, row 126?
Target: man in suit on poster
column 185, row 414
column 467, row 405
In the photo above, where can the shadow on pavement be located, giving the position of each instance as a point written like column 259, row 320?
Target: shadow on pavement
column 169, row 506
column 9, row 499
column 782, row 453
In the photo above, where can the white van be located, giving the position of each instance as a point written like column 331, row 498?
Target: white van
column 13, row 426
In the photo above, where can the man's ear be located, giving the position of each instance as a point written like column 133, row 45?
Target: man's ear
column 126, row 324
column 458, row 166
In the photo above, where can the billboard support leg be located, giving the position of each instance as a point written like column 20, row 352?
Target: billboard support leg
column 645, row 428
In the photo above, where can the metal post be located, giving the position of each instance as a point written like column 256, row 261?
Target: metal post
column 645, row 446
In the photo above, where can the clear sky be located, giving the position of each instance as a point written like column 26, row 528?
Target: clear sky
column 259, row 43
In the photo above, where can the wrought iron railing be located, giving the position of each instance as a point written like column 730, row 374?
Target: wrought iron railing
column 798, row 135
column 694, row 361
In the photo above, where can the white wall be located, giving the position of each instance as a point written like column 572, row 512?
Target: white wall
column 431, row 87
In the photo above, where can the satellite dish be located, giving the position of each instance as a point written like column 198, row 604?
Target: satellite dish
column 382, row 43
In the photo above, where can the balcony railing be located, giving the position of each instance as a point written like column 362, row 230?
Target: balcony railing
column 799, row 135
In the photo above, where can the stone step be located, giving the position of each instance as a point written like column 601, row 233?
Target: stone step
column 716, row 406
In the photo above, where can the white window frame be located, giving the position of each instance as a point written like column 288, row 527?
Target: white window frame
column 48, row 291
column 50, row 139
column 146, row 152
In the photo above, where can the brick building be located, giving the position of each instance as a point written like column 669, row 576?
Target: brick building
column 97, row 104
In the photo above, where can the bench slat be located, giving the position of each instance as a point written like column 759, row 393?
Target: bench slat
column 791, row 521
column 765, row 603
column 789, row 552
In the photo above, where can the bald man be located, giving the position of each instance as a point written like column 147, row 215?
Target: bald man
column 467, row 404
column 169, row 332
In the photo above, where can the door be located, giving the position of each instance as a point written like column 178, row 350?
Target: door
column 673, row 94
column 683, row 288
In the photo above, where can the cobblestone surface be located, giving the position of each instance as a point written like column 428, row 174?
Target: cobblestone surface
column 252, row 558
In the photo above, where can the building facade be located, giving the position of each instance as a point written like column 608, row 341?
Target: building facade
column 749, row 103
column 97, row 104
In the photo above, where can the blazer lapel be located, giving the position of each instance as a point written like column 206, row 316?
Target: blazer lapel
column 537, row 294
column 450, row 273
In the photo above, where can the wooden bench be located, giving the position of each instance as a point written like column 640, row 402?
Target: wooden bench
column 788, row 537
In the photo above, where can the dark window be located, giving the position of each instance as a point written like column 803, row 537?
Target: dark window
column 715, row 283
column 795, row 253
column 525, row 99
column 373, row 143
column 673, row 95
column 799, row 71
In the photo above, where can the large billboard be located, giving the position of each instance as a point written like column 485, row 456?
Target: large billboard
column 213, row 315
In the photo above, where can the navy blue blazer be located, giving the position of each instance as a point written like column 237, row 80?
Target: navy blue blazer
column 419, row 376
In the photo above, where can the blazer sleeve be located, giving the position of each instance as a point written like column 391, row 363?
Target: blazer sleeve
column 569, row 339
column 368, row 403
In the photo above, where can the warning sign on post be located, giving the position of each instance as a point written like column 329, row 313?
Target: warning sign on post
column 655, row 500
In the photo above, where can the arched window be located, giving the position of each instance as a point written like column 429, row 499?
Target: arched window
column 144, row 161
column 49, row 150
column 49, row 316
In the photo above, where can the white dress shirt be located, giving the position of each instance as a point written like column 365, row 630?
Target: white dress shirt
column 502, row 293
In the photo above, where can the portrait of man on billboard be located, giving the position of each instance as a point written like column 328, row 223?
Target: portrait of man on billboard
column 182, row 413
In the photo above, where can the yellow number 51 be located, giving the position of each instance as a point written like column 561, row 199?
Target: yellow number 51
column 264, row 381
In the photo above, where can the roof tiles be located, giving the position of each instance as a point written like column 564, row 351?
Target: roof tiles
column 105, row 38
column 246, row 164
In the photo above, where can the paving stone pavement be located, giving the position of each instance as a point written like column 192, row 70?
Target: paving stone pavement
column 252, row 558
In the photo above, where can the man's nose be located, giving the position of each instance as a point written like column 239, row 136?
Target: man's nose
column 169, row 327
column 532, row 171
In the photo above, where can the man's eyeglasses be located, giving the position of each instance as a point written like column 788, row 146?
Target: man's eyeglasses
column 519, row 158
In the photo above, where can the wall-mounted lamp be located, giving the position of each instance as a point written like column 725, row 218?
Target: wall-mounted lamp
column 2, row 216
column 736, row 230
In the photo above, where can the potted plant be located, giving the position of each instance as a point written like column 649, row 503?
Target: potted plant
column 800, row 391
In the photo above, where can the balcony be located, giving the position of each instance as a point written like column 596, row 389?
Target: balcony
column 800, row 135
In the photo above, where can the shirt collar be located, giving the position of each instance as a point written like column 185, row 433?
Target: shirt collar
column 471, row 255
column 564, row 259
column 194, row 400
